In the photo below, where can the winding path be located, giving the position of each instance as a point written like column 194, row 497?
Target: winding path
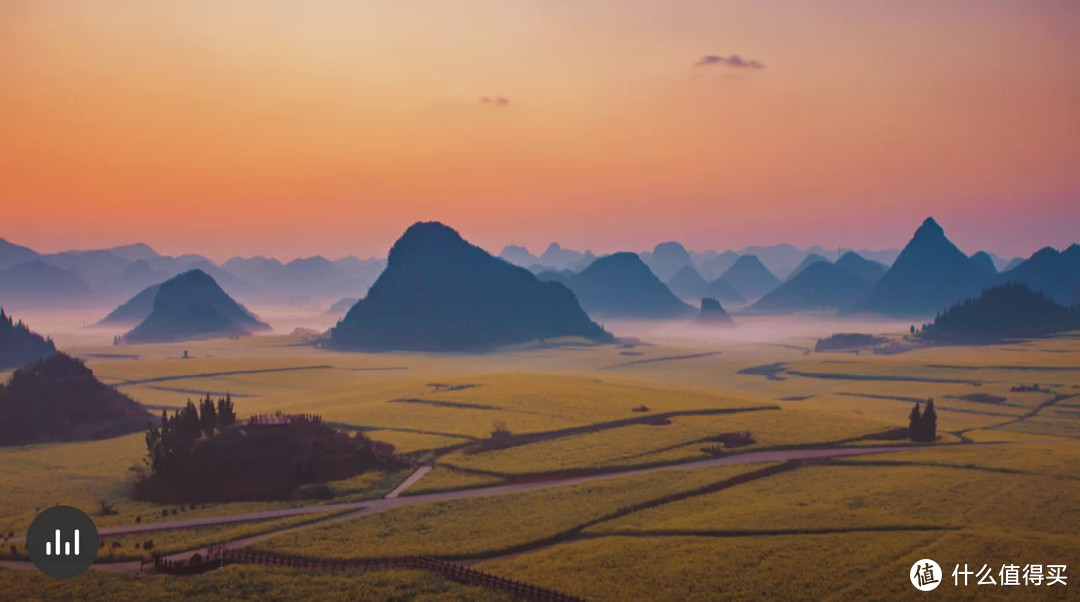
column 393, row 500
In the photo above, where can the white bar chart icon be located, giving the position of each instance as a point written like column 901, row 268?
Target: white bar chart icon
column 51, row 549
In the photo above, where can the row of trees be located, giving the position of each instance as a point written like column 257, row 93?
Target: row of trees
column 922, row 424
column 178, row 433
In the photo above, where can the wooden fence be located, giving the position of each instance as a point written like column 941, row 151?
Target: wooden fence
column 450, row 570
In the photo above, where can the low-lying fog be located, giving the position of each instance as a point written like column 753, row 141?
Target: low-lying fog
column 70, row 328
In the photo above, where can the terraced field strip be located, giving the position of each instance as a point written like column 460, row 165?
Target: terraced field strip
column 159, row 379
column 668, row 358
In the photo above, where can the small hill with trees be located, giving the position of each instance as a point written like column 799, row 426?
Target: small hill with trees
column 1010, row 310
column 204, row 454
column 440, row 293
column 59, row 399
column 19, row 345
column 193, row 306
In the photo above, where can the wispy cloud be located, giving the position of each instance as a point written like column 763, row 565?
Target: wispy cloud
column 496, row 101
column 734, row 61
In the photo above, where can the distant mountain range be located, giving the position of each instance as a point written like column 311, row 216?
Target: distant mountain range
column 820, row 285
column 192, row 306
column 622, row 286
column 440, row 293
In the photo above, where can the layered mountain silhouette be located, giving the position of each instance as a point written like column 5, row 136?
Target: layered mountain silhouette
column 42, row 285
column 1056, row 273
column 687, row 283
column 1010, row 310
column 621, row 285
column 342, row 306
column 20, row 345
column 59, row 399
column 715, row 266
column 929, row 275
column 750, row 277
column 193, row 306
column 723, row 292
column 134, row 310
column 440, row 293
column 713, row 314
column 667, row 259
column 820, row 285
column 855, row 264
column 519, row 256
column 807, row 261
column 12, row 254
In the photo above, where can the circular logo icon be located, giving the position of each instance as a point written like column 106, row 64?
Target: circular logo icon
column 925, row 575
column 62, row 542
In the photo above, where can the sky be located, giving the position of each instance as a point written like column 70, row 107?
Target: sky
column 327, row 127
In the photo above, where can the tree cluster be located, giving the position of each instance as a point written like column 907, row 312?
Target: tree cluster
column 922, row 425
column 19, row 345
column 178, row 433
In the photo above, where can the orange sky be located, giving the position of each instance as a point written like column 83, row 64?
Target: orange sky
column 291, row 129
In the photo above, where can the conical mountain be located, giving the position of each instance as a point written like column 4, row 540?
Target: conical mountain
column 621, row 285
column 807, row 261
column 750, row 277
column 929, row 275
column 667, row 259
column 713, row 314
column 439, row 292
column 193, row 306
column 985, row 263
column 855, row 264
column 1056, row 273
column 687, row 283
column 723, row 292
column 134, row 310
column 821, row 285
column 714, row 267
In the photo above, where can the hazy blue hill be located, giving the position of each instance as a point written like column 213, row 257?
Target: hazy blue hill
column 12, row 254
column 1010, row 310
column 723, row 292
column 688, row 284
column 821, row 285
column 343, row 306
column 193, row 306
column 256, row 270
column 1056, row 273
column 621, row 285
column 560, row 276
column 134, row 310
column 39, row 284
column 667, row 259
column 20, row 345
column 518, row 255
column 750, row 277
column 715, row 266
column 559, row 258
column 100, row 270
column 713, row 314
column 807, row 261
column 985, row 263
column 232, row 284
column 441, row 293
column 779, row 259
column 59, row 399
column 135, row 252
column 855, row 264
column 929, row 275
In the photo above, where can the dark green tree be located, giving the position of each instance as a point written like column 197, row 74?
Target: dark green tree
column 915, row 424
column 929, row 421
column 226, row 412
column 187, row 420
column 208, row 419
